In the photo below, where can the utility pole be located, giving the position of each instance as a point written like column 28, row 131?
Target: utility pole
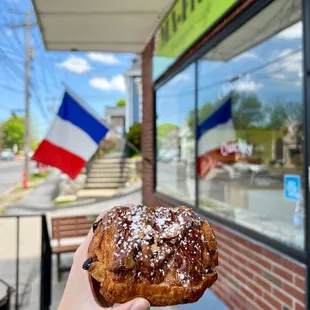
column 27, row 116
column 28, row 57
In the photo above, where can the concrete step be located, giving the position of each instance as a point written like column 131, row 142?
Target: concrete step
column 105, row 180
column 108, row 176
column 110, row 160
column 96, row 193
column 111, row 165
column 108, row 172
column 102, row 186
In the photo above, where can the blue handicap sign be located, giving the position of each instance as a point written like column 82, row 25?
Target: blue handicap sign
column 292, row 187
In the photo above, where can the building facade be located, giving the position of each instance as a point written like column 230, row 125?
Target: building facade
column 134, row 91
column 230, row 105
column 225, row 123
column 114, row 117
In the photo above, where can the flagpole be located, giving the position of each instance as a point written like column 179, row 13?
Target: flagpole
column 85, row 105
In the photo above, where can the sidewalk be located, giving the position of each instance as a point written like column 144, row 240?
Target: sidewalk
column 208, row 302
column 40, row 200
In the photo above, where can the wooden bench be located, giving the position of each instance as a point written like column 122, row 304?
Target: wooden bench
column 65, row 228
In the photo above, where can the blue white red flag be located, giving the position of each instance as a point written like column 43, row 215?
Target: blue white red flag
column 72, row 139
column 216, row 136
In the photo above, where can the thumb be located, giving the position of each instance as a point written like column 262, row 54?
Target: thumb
column 136, row 304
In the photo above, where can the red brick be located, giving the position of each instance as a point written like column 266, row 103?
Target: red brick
column 241, row 260
column 254, row 267
column 300, row 270
column 294, row 292
column 254, row 247
column 299, row 306
column 272, row 256
column 272, row 278
column 294, row 267
column 263, row 283
column 261, row 303
column 272, row 301
column 238, row 301
column 249, row 254
column 247, row 292
column 284, row 298
column 300, row 283
column 283, row 273
column 255, row 288
column 263, row 262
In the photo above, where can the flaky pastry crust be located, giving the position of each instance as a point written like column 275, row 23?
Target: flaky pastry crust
column 166, row 255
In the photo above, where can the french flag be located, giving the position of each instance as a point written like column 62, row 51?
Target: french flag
column 72, row 139
column 213, row 133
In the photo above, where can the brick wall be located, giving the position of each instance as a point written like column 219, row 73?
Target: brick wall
column 147, row 120
column 251, row 276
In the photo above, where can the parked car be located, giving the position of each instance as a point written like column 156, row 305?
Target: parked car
column 7, row 154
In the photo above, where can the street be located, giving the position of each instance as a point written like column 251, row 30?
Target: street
column 11, row 174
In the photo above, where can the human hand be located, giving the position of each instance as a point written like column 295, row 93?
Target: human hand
column 78, row 294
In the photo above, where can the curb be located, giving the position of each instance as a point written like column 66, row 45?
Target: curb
column 10, row 189
column 79, row 203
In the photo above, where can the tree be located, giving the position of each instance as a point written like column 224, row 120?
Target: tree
column 121, row 103
column 13, row 131
column 280, row 112
column 164, row 129
column 134, row 137
column 247, row 111
column 203, row 112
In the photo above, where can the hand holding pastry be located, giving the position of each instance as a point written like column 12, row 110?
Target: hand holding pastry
column 165, row 255
column 78, row 294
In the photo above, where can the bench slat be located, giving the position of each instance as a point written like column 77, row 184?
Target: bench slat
column 71, row 234
column 71, row 222
column 72, row 227
column 65, row 249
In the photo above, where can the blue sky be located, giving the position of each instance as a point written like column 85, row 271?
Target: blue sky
column 96, row 77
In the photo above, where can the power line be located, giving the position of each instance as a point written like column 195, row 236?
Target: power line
column 11, row 88
column 242, row 75
column 28, row 57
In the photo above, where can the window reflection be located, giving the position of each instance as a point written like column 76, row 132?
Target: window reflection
column 250, row 136
column 175, row 139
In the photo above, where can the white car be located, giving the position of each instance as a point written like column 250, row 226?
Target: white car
column 7, row 154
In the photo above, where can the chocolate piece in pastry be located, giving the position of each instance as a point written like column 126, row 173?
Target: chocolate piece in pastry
column 166, row 255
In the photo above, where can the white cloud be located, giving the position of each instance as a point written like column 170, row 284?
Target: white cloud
column 293, row 32
column 181, row 77
column 76, row 65
column 248, row 86
column 244, row 56
column 105, row 58
column 116, row 83
column 288, row 66
column 278, row 76
column 243, row 85
column 9, row 32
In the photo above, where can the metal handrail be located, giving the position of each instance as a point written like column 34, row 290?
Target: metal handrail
column 46, row 266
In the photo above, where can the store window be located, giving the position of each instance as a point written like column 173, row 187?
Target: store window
column 175, row 137
column 250, row 141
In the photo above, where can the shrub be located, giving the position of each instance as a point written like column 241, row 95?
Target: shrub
column 134, row 137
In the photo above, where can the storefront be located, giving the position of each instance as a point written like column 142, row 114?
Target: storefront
column 226, row 124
